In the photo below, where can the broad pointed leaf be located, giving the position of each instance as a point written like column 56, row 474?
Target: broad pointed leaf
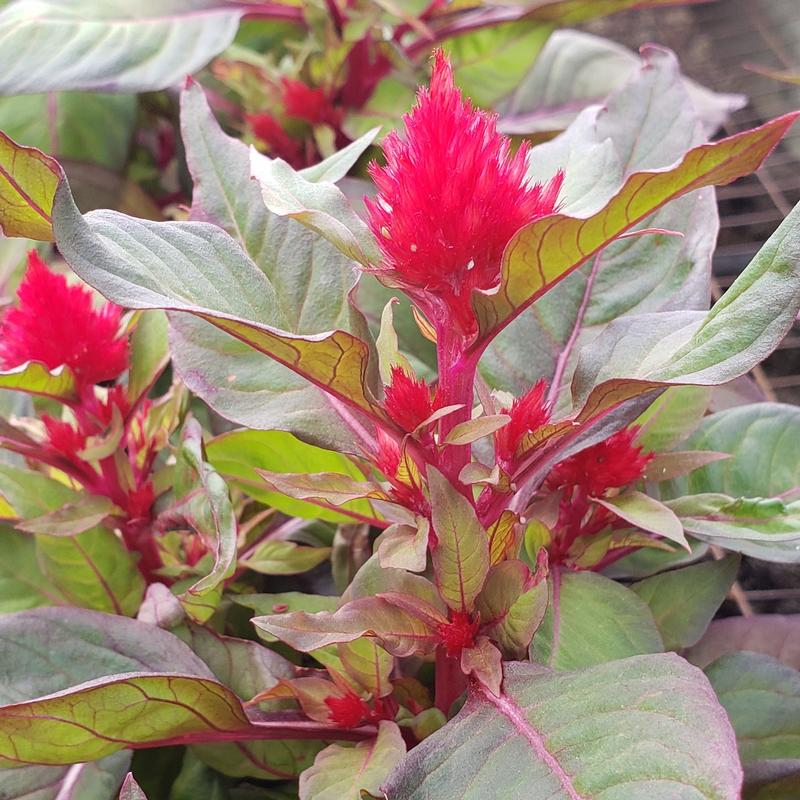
column 397, row 629
column 762, row 698
column 684, row 601
column 619, row 624
column 275, row 557
column 643, row 511
column 311, row 278
column 35, row 378
column 145, row 265
column 341, row 772
column 546, row 251
column 239, row 454
column 127, row 47
column 648, row 726
column 461, row 551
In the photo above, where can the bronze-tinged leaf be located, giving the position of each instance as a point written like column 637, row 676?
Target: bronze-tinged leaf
column 484, row 662
column 547, row 250
column 503, row 537
column 399, row 631
column 461, row 553
column 28, row 183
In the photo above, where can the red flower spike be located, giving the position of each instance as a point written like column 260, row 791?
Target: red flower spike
column 449, row 200
column 387, row 458
column 56, row 324
column 527, row 413
column 280, row 145
column 611, row 464
column 348, row 710
column 408, row 400
column 458, row 633
column 310, row 105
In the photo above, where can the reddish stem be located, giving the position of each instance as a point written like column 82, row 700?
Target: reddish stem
column 450, row 682
column 276, row 11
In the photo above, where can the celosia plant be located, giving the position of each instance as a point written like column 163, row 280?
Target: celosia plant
column 485, row 497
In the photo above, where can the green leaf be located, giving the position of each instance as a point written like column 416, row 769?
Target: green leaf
column 202, row 500
column 643, row 511
column 547, row 250
column 244, row 666
column 311, row 278
column 488, row 63
column 335, row 167
column 403, row 546
column 326, row 488
column 28, row 182
column 512, row 605
column 71, row 519
column 673, row 417
column 648, row 726
column 369, row 665
column 34, row 378
column 92, row 569
column 96, row 780
column 87, row 127
column 135, row 48
column 591, row 620
column 758, row 527
column 678, row 463
column 276, row 557
column 685, row 600
column 281, row 602
column 762, row 698
column 23, row 585
column 340, row 772
column 240, row 454
column 149, row 353
column 461, row 553
column 776, row 635
column 761, row 439
column 320, row 206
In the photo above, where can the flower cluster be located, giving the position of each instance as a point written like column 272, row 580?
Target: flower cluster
column 450, row 197
column 101, row 440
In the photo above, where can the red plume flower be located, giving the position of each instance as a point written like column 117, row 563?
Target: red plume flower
column 450, row 198
column 347, row 710
column 56, row 324
column 611, row 464
column 408, row 400
column 458, row 633
column 527, row 413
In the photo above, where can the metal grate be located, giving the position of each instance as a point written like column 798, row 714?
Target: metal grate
column 714, row 42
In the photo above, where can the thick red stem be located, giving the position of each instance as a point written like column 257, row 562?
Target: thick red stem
column 450, row 682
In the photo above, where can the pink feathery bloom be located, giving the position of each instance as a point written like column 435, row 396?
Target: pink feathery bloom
column 57, row 324
column 611, row 464
column 449, row 200
column 409, row 401
column 528, row 413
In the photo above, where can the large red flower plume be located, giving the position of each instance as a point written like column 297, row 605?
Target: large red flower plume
column 56, row 324
column 450, row 198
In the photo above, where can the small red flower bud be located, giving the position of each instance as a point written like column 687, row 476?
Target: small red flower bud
column 611, row 464
column 310, row 105
column 56, row 324
column 348, row 710
column 408, row 400
column 527, row 413
column 449, row 200
column 458, row 633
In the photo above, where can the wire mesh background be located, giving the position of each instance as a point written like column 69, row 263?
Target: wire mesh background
column 715, row 43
